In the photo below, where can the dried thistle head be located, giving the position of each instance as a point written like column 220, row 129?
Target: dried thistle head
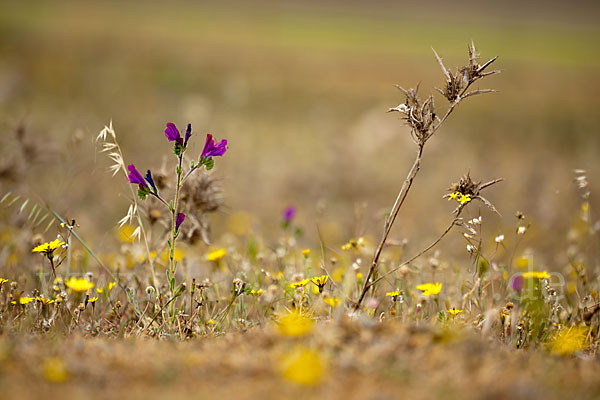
column 457, row 83
column 418, row 114
column 200, row 196
column 466, row 190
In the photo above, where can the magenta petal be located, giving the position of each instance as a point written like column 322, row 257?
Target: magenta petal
column 179, row 220
column 172, row 133
column 208, row 145
column 135, row 176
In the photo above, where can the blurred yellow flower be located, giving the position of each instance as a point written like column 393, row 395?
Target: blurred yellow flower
column 3, row 281
column 178, row 256
column 93, row 299
column 79, row 284
column 522, row 262
column 23, row 300
column 48, row 248
column 302, row 283
column 55, row 370
column 359, row 275
column 216, row 255
column 354, row 244
column 536, row 275
column 569, row 340
column 332, row 301
column 126, row 233
column 302, row 366
column 338, row 274
column 395, row 293
column 305, row 252
column 295, row 324
column 429, row 289
column 256, row 293
column 454, row 311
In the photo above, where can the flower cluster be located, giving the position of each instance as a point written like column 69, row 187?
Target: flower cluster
column 461, row 198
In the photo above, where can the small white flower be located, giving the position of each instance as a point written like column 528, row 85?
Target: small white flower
column 471, row 249
column 476, row 221
column 499, row 238
column 521, row 230
column 466, row 235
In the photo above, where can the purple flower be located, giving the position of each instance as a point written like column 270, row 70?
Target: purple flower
column 172, row 133
column 212, row 149
column 517, row 283
column 179, row 220
column 288, row 214
column 135, row 176
column 188, row 133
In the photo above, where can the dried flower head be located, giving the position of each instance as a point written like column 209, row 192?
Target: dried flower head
column 466, row 190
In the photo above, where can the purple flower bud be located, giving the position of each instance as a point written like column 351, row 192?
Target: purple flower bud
column 288, row 214
column 188, row 133
column 179, row 220
column 172, row 133
column 517, row 283
column 135, row 176
column 212, row 149
column 150, row 180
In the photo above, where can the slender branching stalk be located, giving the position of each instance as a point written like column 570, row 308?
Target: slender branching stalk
column 420, row 116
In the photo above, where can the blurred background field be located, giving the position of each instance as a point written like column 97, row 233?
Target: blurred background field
column 301, row 91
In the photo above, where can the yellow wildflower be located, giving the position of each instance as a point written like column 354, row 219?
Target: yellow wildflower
column 305, row 252
column 48, row 248
column 302, row 283
column 395, row 293
column 454, row 311
column 536, row 275
column 44, row 300
column 302, row 366
column 93, row 299
column 295, row 324
column 211, row 322
column 3, row 281
column 359, row 275
column 354, row 244
column 55, row 370
column 569, row 340
column 320, row 281
column 256, row 293
column 79, row 284
column 429, row 289
column 332, row 301
column 461, row 198
column 216, row 255
column 23, row 300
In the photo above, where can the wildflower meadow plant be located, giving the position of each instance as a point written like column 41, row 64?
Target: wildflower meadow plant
column 147, row 186
column 422, row 118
